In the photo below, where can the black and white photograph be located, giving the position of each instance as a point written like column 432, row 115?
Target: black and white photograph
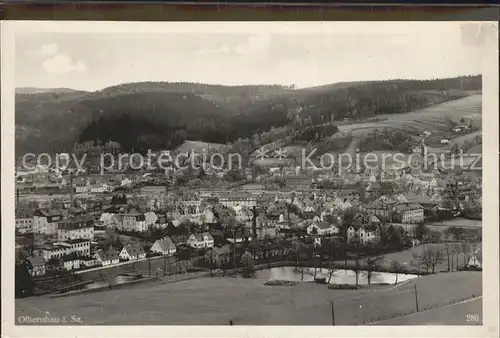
column 250, row 174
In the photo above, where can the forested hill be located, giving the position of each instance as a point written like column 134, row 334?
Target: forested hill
column 163, row 115
column 231, row 97
column 357, row 100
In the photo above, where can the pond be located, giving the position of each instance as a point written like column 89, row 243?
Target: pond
column 291, row 273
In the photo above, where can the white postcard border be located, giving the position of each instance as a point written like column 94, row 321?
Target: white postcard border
column 490, row 188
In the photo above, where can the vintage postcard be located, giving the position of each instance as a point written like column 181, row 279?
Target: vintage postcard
column 256, row 179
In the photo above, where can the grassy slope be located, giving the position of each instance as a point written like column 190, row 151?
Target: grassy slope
column 215, row 301
column 455, row 314
column 432, row 119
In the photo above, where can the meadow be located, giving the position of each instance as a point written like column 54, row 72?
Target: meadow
column 217, row 300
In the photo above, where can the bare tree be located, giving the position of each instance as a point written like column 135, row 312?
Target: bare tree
column 396, row 268
column 465, row 251
column 456, row 249
column 432, row 258
column 417, row 262
column 357, row 267
column 331, row 271
column 297, row 265
column 448, row 254
column 371, row 262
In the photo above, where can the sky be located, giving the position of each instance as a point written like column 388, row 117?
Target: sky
column 93, row 60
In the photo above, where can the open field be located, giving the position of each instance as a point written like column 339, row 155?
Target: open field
column 216, row 301
column 432, row 119
column 454, row 314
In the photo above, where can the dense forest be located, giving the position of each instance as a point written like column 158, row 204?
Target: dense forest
column 163, row 115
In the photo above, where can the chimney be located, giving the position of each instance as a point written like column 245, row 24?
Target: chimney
column 254, row 222
column 71, row 189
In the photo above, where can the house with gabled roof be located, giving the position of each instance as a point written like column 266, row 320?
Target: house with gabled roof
column 37, row 266
column 199, row 241
column 132, row 251
column 364, row 229
column 219, row 255
column 322, row 228
column 164, row 246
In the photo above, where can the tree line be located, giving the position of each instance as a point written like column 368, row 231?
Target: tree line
column 147, row 117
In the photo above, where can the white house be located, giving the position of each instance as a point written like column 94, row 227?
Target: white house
column 198, row 241
column 322, row 228
column 364, row 234
column 164, row 246
column 132, row 252
column 445, row 141
column 476, row 261
column 106, row 258
column 134, row 222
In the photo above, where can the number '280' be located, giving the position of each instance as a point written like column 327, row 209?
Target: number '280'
column 472, row 317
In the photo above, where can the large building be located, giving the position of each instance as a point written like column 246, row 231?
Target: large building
column 238, row 200
column 298, row 182
column 409, row 213
column 78, row 228
column 45, row 221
